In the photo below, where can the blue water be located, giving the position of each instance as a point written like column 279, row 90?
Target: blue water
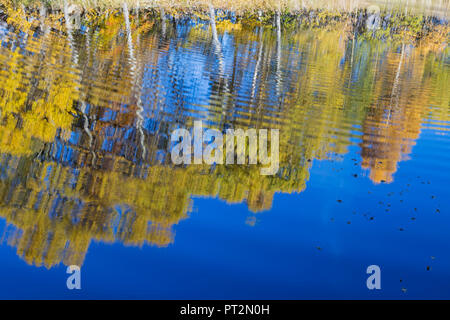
column 85, row 176
column 217, row 255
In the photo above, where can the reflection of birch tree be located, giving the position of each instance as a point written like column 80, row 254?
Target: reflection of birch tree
column 137, row 86
column 258, row 63
column 216, row 42
column 163, row 22
column 219, row 55
column 83, row 107
column 395, row 91
column 278, row 58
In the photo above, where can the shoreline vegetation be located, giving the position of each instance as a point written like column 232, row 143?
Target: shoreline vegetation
column 407, row 21
column 427, row 7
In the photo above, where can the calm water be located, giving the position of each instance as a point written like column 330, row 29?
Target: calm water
column 86, row 176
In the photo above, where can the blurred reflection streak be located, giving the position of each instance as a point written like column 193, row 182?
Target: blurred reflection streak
column 137, row 88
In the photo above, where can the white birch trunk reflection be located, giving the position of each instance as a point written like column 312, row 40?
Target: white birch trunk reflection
column 136, row 87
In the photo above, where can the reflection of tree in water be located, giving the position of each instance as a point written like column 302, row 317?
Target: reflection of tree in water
column 84, row 141
column 394, row 119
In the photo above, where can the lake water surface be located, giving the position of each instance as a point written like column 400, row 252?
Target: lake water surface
column 86, row 177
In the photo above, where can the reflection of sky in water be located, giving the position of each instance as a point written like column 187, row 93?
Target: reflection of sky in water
column 365, row 123
column 217, row 255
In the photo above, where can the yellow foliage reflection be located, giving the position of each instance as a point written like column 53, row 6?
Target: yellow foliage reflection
column 86, row 119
